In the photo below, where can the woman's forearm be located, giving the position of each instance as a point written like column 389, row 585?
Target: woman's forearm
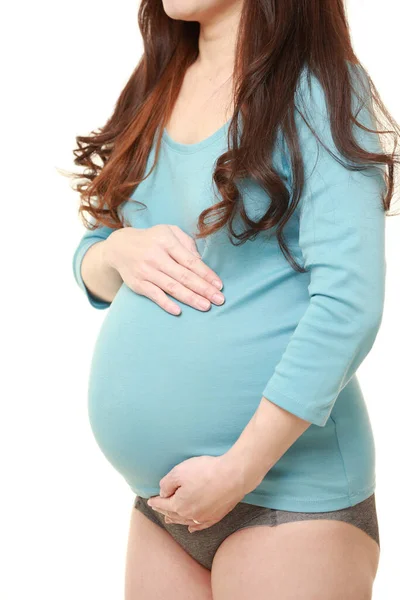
column 266, row 437
column 102, row 280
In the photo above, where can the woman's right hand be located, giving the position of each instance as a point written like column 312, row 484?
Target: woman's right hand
column 162, row 260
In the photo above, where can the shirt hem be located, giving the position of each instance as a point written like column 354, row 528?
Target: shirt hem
column 308, row 504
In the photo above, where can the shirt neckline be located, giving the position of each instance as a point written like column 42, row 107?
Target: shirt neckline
column 191, row 148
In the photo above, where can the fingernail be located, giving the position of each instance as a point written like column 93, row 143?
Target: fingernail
column 218, row 298
column 217, row 284
column 204, row 303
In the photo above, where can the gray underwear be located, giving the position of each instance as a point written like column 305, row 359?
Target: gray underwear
column 202, row 545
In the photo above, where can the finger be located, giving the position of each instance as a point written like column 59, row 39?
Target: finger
column 191, row 281
column 178, row 520
column 205, row 525
column 163, row 504
column 185, row 239
column 178, row 291
column 151, row 291
column 194, row 263
column 170, row 483
column 174, row 517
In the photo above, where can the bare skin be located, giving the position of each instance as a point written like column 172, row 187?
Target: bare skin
column 324, row 560
column 304, row 560
column 157, row 567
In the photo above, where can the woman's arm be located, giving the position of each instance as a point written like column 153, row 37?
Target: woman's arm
column 269, row 433
column 94, row 275
column 342, row 240
column 102, row 280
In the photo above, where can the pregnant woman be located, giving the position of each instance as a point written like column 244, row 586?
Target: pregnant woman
column 236, row 203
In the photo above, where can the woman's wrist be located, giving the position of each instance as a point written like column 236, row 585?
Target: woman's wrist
column 246, row 462
column 108, row 253
column 99, row 277
column 248, row 468
column 266, row 437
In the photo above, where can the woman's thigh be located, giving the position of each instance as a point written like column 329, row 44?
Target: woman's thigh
column 301, row 560
column 157, row 567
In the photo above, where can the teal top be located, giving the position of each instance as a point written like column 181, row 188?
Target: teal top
column 164, row 388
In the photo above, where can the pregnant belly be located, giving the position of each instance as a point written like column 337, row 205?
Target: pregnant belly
column 163, row 388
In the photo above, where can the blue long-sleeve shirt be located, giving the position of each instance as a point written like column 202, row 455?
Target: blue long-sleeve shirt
column 164, row 388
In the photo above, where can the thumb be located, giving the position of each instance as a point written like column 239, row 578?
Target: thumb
column 169, row 484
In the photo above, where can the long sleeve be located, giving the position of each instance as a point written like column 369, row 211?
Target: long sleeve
column 342, row 241
column 89, row 238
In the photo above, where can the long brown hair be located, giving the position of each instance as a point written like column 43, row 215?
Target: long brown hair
column 276, row 39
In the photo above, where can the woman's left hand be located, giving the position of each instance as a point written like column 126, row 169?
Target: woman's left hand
column 205, row 488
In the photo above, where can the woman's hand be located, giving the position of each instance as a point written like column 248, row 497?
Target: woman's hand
column 160, row 259
column 205, row 488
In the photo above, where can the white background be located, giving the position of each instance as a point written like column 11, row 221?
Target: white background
column 64, row 510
